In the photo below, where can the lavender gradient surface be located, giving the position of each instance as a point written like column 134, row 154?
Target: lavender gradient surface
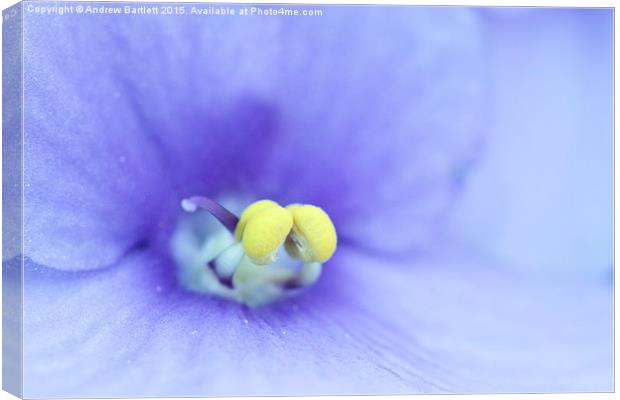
column 464, row 154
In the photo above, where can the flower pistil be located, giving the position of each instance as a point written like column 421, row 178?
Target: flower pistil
column 244, row 262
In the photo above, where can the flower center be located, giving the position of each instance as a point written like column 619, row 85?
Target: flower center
column 268, row 253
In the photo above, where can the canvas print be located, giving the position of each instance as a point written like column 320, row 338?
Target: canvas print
column 205, row 199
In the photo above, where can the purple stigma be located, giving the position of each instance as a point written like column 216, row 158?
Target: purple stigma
column 227, row 218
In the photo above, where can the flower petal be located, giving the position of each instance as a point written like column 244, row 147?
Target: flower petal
column 447, row 323
column 223, row 107
column 386, row 121
column 543, row 195
column 95, row 187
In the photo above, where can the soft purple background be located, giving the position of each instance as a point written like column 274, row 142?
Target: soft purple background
column 464, row 154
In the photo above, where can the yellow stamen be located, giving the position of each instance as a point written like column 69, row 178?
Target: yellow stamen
column 252, row 210
column 265, row 227
column 313, row 238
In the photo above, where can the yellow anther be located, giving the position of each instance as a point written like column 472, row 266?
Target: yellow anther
column 264, row 231
column 313, row 238
column 252, row 210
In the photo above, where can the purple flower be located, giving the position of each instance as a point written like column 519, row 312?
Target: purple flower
column 375, row 114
